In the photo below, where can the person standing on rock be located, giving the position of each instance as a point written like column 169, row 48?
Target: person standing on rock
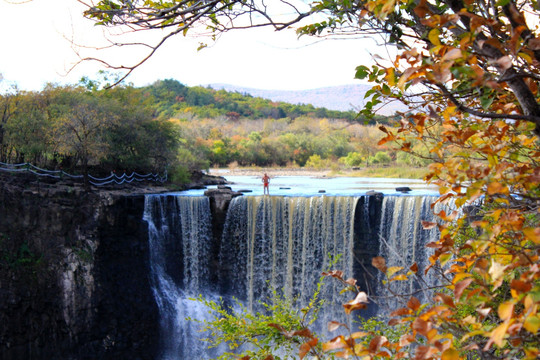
column 266, row 182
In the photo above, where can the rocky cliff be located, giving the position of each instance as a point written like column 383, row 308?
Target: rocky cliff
column 74, row 275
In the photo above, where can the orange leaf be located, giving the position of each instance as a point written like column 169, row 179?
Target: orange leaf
column 425, row 352
column 376, row 343
column 421, row 326
column 426, row 225
column 359, row 334
column 358, row 303
column 334, row 344
column 379, row 263
column 447, row 300
column 306, row 347
column 413, row 303
column 461, row 286
column 334, row 325
column 338, row 274
column 401, row 312
column 520, row 286
column 414, row 268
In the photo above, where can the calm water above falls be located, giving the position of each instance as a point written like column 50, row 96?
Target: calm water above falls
column 339, row 186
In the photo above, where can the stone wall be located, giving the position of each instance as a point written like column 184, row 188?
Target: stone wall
column 74, row 275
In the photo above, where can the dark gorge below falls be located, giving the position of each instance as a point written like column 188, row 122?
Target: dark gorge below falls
column 104, row 276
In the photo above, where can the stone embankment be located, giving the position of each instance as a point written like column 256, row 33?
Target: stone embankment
column 74, row 271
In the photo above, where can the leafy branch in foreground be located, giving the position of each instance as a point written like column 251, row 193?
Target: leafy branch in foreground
column 278, row 329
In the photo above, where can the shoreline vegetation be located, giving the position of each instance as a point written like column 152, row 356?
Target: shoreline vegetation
column 397, row 172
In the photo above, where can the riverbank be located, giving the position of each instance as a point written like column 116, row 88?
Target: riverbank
column 373, row 172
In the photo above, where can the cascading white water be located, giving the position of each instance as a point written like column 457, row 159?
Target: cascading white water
column 402, row 243
column 270, row 242
column 179, row 238
column 285, row 243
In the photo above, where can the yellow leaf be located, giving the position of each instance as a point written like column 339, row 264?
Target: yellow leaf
column 406, row 74
column 359, row 334
column 496, row 270
column 497, row 335
column 506, row 310
column 450, row 354
column 496, row 188
column 533, row 234
column 390, row 77
column 400, row 277
column 526, row 57
column 460, row 276
column 433, row 36
column 532, row 324
column 392, row 270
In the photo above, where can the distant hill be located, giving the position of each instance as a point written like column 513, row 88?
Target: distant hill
column 341, row 98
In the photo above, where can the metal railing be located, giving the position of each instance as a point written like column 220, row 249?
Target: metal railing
column 96, row 181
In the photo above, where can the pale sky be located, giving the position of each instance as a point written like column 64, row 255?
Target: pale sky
column 36, row 49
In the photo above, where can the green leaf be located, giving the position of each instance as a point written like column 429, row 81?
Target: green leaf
column 361, row 72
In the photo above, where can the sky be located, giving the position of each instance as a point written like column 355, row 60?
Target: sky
column 38, row 37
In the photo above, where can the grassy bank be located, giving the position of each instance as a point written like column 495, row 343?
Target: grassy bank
column 396, row 172
column 399, row 172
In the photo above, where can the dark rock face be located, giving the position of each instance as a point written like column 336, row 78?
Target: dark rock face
column 74, row 276
column 367, row 220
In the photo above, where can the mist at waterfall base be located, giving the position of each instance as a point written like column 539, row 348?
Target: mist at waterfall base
column 276, row 242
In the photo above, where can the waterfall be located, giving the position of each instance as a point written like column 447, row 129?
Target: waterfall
column 179, row 242
column 275, row 243
column 403, row 242
column 284, row 244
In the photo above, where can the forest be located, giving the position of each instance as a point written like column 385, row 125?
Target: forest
column 170, row 126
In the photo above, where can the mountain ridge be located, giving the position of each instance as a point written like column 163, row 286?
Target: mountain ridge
column 341, row 97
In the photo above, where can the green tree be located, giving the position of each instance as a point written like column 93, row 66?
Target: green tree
column 81, row 130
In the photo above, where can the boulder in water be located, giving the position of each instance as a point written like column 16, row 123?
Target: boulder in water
column 245, row 191
column 403, row 189
column 322, row 191
column 374, row 193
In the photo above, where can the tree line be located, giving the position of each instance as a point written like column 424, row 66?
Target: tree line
column 166, row 125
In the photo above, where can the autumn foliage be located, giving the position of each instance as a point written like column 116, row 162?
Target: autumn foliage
column 470, row 79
